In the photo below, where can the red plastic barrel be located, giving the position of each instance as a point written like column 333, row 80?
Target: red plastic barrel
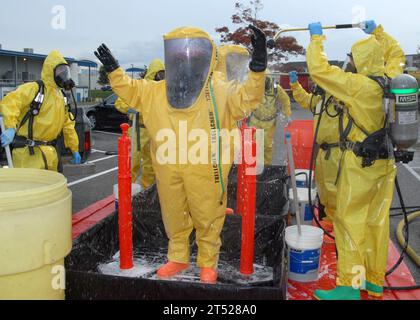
column 302, row 132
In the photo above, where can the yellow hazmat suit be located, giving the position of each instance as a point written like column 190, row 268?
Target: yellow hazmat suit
column 327, row 162
column 264, row 118
column 142, row 161
column 48, row 125
column 233, row 62
column 364, row 195
column 192, row 193
column 393, row 53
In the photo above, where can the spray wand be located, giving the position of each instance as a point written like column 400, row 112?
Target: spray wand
column 271, row 43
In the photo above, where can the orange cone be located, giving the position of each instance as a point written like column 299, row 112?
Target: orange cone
column 171, row 269
column 208, row 276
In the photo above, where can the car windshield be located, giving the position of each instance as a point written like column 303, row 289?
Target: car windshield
column 111, row 99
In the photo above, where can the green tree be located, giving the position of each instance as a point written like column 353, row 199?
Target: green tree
column 249, row 14
column 103, row 77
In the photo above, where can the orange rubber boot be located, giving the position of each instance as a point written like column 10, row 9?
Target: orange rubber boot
column 208, row 276
column 230, row 211
column 171, row 269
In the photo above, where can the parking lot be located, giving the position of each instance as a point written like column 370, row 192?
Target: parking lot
column 88, row 189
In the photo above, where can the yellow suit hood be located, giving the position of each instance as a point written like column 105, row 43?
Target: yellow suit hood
column 224, row 51
column 368, row 57
column 54, row 59
column 155, row 66
column 194, row 33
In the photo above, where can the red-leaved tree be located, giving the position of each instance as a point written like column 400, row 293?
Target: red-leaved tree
column 248, row 14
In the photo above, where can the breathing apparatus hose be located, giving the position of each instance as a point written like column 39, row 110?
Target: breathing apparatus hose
column 73, row 117
column 312, row 166
column 410, row 252
column 406, row 229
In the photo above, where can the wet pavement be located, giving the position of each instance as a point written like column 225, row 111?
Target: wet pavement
column 88, row 189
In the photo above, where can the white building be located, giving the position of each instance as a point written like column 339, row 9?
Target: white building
column 17, row 68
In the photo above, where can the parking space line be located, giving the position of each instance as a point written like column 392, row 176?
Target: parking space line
column 109, row 133
column 98, row 151
column 101, row 159
column 92, row 177
column 411, row 170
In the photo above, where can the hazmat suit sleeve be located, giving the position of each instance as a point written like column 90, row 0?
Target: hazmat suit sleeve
column 131, row 91
column 394, row 55
column 17, row 103
column 71, row 139
column 121, row 106
column 285, row 102
column 343, row 85
column 244, row 99
column 304, row 98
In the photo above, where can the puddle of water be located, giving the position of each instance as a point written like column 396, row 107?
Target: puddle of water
column 145, row 267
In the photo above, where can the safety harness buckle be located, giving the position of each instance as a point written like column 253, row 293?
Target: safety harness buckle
column 30, row 143
column 348, row 146
column 39, row 98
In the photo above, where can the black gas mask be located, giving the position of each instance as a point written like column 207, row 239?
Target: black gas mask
column 62, row 77
column 160, row 76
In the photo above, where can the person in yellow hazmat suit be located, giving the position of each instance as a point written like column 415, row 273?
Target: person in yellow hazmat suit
column 36, row 113
column 233, row 62
column 365, row 185
column 328, row 139
column 185, row 115
column 142, row 160
column 276, row 100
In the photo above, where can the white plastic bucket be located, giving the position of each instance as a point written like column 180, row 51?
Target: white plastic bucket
column 135, row 190
column 304, row 253
column 306, row 216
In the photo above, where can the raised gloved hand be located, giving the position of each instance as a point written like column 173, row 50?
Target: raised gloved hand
column 293, row 77
column 107, row 59
column 370, row 26
column 259, row 55
column 132, row 111
column 77, row 159
column 7, row 137
column 315, row 29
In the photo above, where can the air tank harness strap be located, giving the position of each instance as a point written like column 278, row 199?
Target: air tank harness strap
column 272, row 118
column 34, row 110
column 327, row 147
column 22, row 142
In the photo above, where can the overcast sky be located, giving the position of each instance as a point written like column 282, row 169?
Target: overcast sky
column 133, row 29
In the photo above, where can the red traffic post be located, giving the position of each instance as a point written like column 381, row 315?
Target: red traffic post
column 249, row 208
column 241, row 173
column 125, row 214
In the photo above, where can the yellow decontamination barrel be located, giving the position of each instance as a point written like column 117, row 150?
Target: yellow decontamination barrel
column 35, row 234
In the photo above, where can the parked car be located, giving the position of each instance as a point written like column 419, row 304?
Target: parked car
column 105, row 116
column 84, row 132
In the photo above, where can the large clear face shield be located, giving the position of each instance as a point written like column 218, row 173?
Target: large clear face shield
column 237, row 67
column 188, row 64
